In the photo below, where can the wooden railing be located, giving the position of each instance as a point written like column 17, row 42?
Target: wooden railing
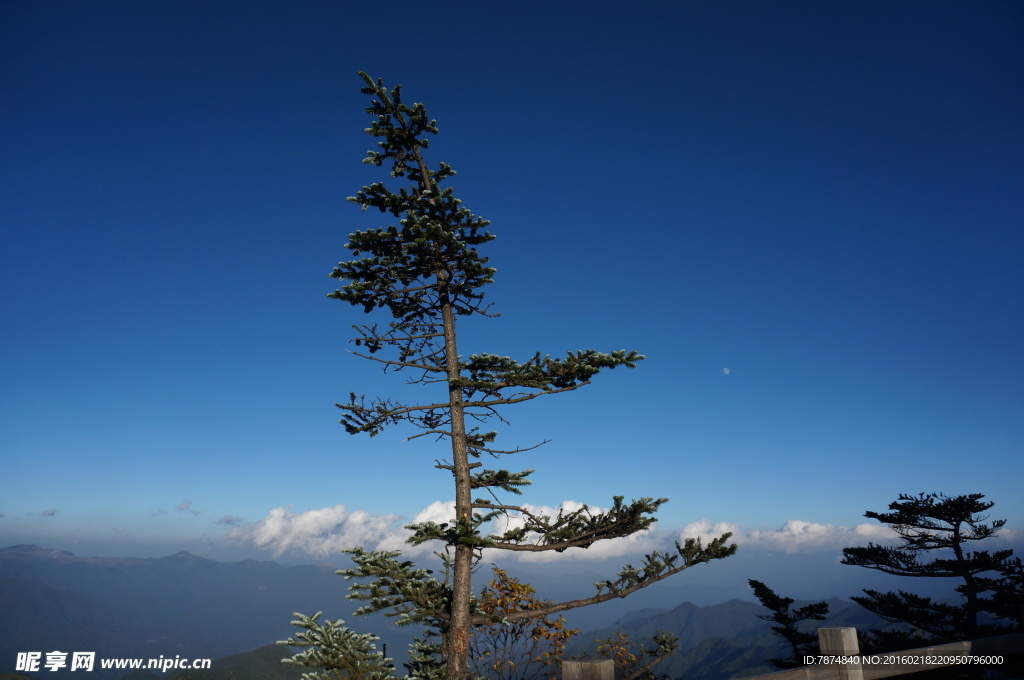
column 589, row 669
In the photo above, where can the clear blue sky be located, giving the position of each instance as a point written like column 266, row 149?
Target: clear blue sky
column 826, row 199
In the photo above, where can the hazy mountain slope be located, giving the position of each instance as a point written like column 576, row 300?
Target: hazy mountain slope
column 735, row 620
column 718, row 659
column 38, row 618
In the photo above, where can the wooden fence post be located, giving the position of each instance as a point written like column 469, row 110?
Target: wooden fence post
column 591, row 669
column 841, row 642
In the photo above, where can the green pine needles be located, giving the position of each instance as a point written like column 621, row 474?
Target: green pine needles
column 426, row 270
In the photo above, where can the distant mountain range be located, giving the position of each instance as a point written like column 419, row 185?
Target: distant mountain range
column 198, row 608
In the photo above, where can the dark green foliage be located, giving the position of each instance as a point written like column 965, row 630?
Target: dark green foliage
column 660, row 565
column 577, row 529
column 929, row 524
column 436, row 233
column 399, row 590
column 649, row 656
column 932, row 620
column 423, row 657
column 1007, row 598
column 339, row 652
column 787, row 620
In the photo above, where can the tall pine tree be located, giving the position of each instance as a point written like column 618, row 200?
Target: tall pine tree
column 425, row 270
column 944, row 528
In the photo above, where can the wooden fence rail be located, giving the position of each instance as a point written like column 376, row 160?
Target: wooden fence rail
column 591, row 669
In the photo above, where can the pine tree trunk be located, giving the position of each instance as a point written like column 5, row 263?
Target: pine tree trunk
column 457, row 653
column 971, row 586
column 456, row 646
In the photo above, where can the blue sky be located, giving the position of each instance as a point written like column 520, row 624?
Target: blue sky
column 823, row 198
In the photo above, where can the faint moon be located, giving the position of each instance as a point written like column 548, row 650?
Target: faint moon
column 725, row 370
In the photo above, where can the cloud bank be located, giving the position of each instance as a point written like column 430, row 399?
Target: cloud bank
column 319, row 533
column 324, row 532
column 794, row 536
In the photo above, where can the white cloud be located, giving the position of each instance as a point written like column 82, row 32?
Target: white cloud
column 1007, row 535
column 438, row 511
column 320, row 533
column 794, row 536
column 706, row 531
column 877, row 533
column 231, row 519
